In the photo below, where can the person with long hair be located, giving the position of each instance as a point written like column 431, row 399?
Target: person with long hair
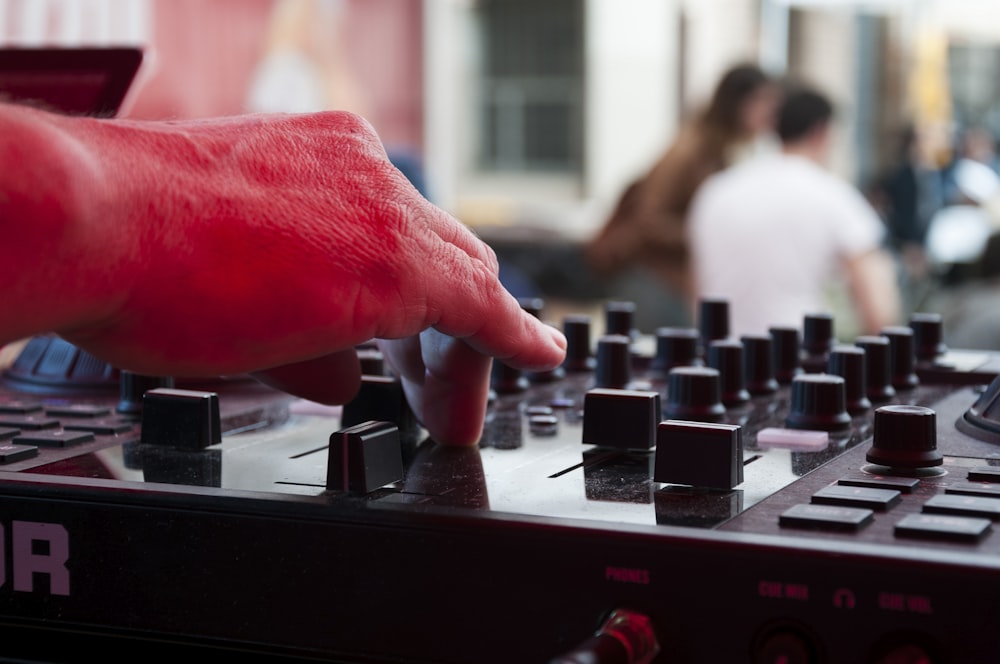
column 647, row 226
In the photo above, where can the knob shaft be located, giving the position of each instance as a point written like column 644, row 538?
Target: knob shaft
column 787, row 363
column 578, row 355
column 713, row 320
column 758, row 364
column 132, row 387
column 928, row 331
column 848, row 362
column 726, row 356
column 675, row 347
column 902, row 361
column 879, row 386
column 619, row 318
column 817, row 341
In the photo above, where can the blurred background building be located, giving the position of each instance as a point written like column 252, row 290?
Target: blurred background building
column 527, row 119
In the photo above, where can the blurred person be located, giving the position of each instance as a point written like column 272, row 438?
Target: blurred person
column 270, row 244
column 976, row 145
column 647, row 225
column 770, row 233
column 970, row 311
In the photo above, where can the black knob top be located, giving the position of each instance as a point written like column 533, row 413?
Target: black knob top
column 928, row 331
column 905, row 437
column 818, row 402
column 693, row 393
column 614, row 367
column 758, row 364
column 132, row 387
column 713, row 320
column 726, row 357
column 577, row 331
column 902, row 361
column 619, row 318
column 675, row 347
column 786, row 354
column 876, row 349
column 848, row 362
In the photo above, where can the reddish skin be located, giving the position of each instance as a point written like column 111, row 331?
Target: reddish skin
column 267, row 244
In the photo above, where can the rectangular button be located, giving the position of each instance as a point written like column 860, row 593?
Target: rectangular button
column 100, row 427
column 826, row 517
column 901, row 484
column 984, row 474
column 9, row 453
column 61, row 438
column 78, row 410
column 29, row 422
column 943, row 527
column 851, row 496
column 7, row 434
column 974, row 489
column 19, row 407
column 964, row 506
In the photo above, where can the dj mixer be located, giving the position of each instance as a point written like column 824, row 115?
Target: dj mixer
column 676, row 497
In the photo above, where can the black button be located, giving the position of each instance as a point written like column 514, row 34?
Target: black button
column 364, row 457
column 901, row 484
column 78, row 410
column 10, row 453
column 826, row 517
column 964, row 506
column 700, row 454
column 20, row 407
column 29, row 422
column 985, row 474
column 943, row 527
column 852, row 496
column 100, row 427
column 624, row 419
column 61, row 438
column 973, row 489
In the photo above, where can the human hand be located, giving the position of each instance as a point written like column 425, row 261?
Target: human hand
column 275, row 244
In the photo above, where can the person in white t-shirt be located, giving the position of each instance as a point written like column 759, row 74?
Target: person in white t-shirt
column 771, row 233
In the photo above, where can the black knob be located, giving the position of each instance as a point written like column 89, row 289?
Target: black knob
column 132, row 387
column 694, row 393
column 902, row 361
column 758, row 364
column 905, row 437
column 927, row 336
column 786, row 354
column 818, row 402
column 817, row 340
column 578, row 355
column 505, row 379
column 713, row 320
column 848, row 362
column 614, row 367
column 726, row 357
column 619, row 318
column 879, row 384
column 675, row 347
column 181, row 418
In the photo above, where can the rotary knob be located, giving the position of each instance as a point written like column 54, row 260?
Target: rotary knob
column 817, row 341
column 726, row 357
column 505, row 379
column 713, row 320
column 905, row 438
column 614, row 367
column 758, row 364
column 577, row 331
column 902, row 361
column 848, row 362
column 693, row 393
column 675, row 347
column 927, row 336
column 818, row 402
column 619, row 318
column 786, row 354
column 879, row 387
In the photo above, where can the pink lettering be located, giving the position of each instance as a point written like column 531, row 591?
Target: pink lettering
column 627, row 575
column 892, row 601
